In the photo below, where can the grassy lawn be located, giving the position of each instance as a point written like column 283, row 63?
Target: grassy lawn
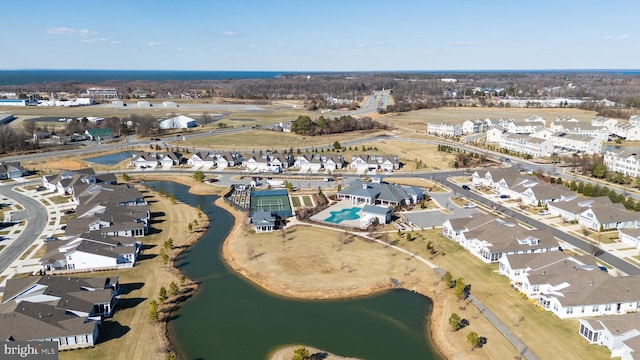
column 2, row 247
column 423, row 183
column 410, row 154
column 59, row 199
column 27, row 252
column 295, row 200
column 5, row 232
column 307, row 201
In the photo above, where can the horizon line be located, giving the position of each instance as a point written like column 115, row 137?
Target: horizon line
column 345, row 71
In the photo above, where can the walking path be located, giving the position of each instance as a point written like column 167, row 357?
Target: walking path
column 515, row 341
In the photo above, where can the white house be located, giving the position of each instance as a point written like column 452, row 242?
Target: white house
column 630, row 236
column 577, row 143
column 202, row 159
column 627, row 131
column 177, row 122
column 626, row 162
column 450, row 130
column 370, row 212
column 494, row 134
column 611, row 331
column 144, row 160
column 606, row 122
column 525, row 144
column 607, row 217
column 474, row 126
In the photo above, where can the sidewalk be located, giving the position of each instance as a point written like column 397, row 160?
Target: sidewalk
column 27, row 262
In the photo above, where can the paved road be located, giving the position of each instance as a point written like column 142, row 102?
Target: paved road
column 614, row 261
column 37, row 218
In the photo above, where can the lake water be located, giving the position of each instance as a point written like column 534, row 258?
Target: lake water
column 111, row 159
column 229, row 318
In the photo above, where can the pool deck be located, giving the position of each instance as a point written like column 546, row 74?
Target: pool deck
column 340, row 205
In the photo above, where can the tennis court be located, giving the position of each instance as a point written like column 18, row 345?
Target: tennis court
column 275, row 201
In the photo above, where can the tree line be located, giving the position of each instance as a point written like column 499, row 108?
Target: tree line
column 304, row 125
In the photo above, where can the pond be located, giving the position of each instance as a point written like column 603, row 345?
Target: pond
column 111, row 159
column 230, row 318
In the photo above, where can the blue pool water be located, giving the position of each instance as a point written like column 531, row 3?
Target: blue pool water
column 112, row 159
column 345, row 214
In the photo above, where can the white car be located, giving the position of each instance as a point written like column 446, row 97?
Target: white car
column 469, row 205
column 544, row 212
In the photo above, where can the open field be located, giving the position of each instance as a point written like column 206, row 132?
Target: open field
column 265, row 139
column 121, row 336
column 416, row 121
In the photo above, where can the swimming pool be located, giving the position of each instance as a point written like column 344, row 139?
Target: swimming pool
column 345, row 214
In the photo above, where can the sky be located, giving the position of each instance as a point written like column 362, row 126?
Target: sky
column 327, row 35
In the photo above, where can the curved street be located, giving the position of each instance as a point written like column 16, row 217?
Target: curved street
column 34, row 213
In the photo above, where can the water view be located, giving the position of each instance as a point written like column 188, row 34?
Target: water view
column 230, row 318
column 111, row 159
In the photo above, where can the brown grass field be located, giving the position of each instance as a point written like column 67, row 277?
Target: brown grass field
column 358, row 267
column 416, row 121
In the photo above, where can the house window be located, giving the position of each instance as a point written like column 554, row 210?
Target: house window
column 582, row 310
column 570, row 310
column 63, row 340
column 607, row 307
column 595, row 308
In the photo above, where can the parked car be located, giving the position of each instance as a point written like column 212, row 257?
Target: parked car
column 504, row 196
column 469, row 205
column 544, row 212
column 41, row 188
column 50, row 238
column 466, row 187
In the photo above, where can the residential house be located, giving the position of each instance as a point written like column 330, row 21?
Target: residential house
column 333, row 163
column 229, row 159
column 630, row 236
column 607, row 217
column 453, row 228
column 612, row 332
column 571, row 208
column 474, row 126
column 522, row 127
column 169, row 159
column 627, row 131
column 577, row 143
column 27, row 323
column 63, row 309
column 494, row 133
column 89, row 297
column 63, row 182
column 12, row 170
column 626, row 162
column 144, row 160
column 447, row 130
column 609, row 123
column 202, row 159
column 585, row 129
column 517, row 266
column 542, row 194
column 525, row 144
column 499, row 238
column 536, row 119
column 90, row 252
